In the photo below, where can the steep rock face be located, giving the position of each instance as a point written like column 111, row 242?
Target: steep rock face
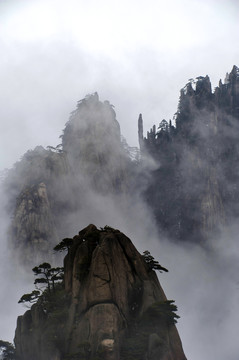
column 227, row 94
column 112, row 294
column 33, row 224
column 36, row 166
column 34, row 340
column 92, row 159
column 93, row 144
column 36, row 189
column 194, row 190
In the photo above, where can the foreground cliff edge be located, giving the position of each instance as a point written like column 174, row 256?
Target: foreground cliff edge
column 109, row 306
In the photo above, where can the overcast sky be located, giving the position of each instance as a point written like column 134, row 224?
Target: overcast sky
column 137, row 54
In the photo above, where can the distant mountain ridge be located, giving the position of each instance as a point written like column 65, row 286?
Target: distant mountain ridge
column 91, row 159
column 194, row 191
column 191, row 190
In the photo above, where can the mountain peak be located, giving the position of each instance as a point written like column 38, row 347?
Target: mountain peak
column 111, row 290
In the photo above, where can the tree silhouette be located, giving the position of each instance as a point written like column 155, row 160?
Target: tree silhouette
column 7, row 351
column 48, row 277
column 31, row 298
column 152, row 263
column 65, row 244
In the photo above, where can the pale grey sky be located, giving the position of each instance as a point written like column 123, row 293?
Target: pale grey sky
column 137, row 54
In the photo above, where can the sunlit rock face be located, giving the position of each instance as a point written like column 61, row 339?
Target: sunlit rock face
column 194, row 191
column 109, row 293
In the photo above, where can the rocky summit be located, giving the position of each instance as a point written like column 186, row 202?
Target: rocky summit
column 193, row 189
column 48, row 187
column 110, row 306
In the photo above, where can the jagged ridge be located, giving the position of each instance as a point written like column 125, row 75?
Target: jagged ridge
column 194, row 190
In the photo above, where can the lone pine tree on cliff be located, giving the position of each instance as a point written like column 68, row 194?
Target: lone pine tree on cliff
column 152, row 263
column 65, row 244
column 48, row 276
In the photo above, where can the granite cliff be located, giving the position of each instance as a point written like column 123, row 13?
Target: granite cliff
column 92, row 142
column 193, row 192
column 110, row 307
column 48, row 187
